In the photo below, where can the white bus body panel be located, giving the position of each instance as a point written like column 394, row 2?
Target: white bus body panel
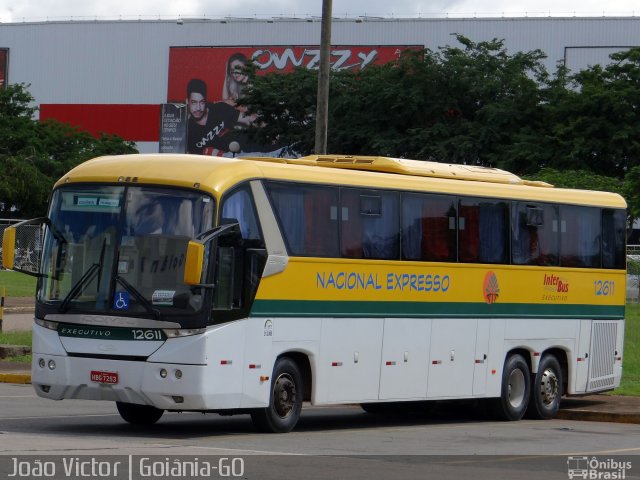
column 581, row 364
column 481, row 358
column 405, row 356
column 351, row 360
column 451, row 366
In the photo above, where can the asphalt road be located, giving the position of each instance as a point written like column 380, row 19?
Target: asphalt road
column 334, row 442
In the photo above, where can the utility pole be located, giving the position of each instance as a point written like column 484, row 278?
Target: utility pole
column 322, row 107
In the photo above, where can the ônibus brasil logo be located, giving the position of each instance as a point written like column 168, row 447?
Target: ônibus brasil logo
column 490, row 288
column 596, row 469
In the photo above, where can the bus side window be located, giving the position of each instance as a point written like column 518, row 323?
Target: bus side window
column 580, row 235
column 428, row 227
column 321, row 222
column 483, row 234
column 239, row 206
column 534, row 236
column 308, row 218
column 613, row 238
column 369, row 224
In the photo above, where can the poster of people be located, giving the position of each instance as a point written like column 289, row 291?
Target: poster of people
column 4, row 66
column 210, row 80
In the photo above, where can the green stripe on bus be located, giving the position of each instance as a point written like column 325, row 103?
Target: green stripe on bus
column 312, row 308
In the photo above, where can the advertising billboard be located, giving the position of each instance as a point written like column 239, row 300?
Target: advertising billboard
column 209, row 80
column 173, row 128
column 4, row 66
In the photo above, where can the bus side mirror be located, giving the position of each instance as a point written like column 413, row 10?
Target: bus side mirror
column 193, row 263
column 9, row 248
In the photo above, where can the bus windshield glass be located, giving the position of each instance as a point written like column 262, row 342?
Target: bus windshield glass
column 121, row 250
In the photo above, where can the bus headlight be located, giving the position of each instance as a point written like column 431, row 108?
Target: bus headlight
column 163, row 373
column 46, row 324
column 41, row 363
column 52, row 365
column 182, row 332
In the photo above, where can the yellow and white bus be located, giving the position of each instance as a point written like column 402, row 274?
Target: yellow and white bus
column 250, row 285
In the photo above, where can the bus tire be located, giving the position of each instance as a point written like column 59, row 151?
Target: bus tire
column 546, row 391
column 285, row 402
column 516, row 385
column 139, row 414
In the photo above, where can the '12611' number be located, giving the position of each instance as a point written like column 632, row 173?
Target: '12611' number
column 147, row 334
column 604, row 287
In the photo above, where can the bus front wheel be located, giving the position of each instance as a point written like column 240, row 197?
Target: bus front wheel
column 285, row 403
column 516, row 385
column 546, row 391
column 139, row 414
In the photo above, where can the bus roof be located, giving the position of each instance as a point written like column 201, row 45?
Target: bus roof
column 420, row 168
column 216, row 175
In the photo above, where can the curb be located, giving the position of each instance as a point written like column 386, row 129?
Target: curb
column 591, row 416
column 10, row 310
column 22, row 378
column 13, row 351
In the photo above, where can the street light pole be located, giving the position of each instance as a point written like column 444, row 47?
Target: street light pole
column 322, row 107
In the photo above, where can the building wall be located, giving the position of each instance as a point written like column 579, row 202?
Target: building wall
column 120, row 69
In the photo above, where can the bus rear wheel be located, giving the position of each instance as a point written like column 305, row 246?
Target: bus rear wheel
column 546, row 391
column 139, row 414
column 516, row 385
column 285, row 403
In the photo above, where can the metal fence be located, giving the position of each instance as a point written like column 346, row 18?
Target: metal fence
column 633, row 273
column 28, row 245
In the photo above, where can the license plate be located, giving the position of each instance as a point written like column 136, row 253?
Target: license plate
column 104, row 377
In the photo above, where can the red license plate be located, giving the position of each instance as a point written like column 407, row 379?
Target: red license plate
column 104, row 377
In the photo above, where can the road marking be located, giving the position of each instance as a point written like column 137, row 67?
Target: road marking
column 61, row 416
column 257, row 452
column 604, row 452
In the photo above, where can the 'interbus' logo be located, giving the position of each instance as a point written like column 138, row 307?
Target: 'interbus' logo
column 555, row 284
column 490, row 288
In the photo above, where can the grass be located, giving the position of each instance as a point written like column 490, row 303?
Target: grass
column 17, row 284
column 20, row 359
column 630, row 384
column 16, row 338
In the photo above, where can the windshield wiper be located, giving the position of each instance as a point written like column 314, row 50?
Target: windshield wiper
column 143, row 301
column 86, row 278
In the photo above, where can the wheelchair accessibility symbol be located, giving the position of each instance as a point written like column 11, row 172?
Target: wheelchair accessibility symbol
column 121, row 301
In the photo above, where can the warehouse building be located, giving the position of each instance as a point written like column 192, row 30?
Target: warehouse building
column 122, row 76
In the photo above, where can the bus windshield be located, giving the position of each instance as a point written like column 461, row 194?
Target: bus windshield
column 121, row 250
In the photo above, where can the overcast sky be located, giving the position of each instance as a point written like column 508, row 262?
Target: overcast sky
column 37, row 10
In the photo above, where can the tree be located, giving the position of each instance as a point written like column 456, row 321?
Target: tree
column 285, row 107
column 17, row 129
column 487, row 103
column 598, row 120
column 580, row 179
column 464, row 105
column 631, row 191
column 474, row 103
column 34, row 155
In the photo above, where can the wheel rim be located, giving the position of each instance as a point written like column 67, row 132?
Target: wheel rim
column 284, row 395
column 549, row 386
column 516, row 388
